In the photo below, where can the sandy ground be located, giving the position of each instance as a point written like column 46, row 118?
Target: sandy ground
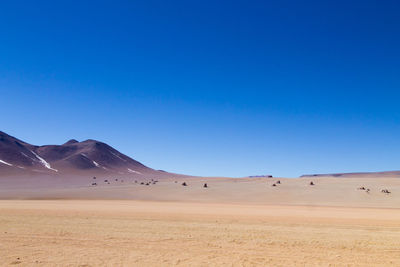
column 143, row 233
column 326, row 191
column 234, row 222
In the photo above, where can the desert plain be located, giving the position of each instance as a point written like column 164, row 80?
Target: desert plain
column 232, row 222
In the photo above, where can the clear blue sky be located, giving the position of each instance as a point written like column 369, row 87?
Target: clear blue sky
column 228, row 88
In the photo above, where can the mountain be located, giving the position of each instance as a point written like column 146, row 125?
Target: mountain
column 356, row 174
column 17, row 157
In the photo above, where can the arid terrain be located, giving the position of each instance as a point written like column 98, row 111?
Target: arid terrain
column 336, row 192
column 234, row 222
column 87, row 204
column 144, row 233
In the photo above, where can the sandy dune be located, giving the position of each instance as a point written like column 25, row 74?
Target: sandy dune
column 143, row 233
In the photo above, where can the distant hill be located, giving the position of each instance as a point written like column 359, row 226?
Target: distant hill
column 356, row 174
column 18, row 157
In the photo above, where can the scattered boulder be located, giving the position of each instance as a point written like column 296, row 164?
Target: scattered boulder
column 385, row 191
column 312, row 183
column 184, row 184
column 205, row 185
column 278, row 182
column 273, row 184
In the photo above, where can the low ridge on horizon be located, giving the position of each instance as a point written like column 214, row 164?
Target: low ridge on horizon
column 354, row 174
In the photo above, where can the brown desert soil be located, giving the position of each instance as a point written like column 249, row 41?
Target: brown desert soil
column 233, row 222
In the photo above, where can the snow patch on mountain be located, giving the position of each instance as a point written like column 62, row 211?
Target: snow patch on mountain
column 6, row 163
column 132, row 171
column 117, row 156
column 94, row 162
column 43, row 162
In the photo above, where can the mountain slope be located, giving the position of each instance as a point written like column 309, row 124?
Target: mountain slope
column 17, row 156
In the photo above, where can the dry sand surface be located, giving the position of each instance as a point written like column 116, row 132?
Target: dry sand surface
column 146, row 233
column 234, row 222
column 326, row 192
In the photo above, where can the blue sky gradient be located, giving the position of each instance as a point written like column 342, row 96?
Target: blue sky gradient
column 215, row 88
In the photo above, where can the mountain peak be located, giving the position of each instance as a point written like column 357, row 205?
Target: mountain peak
column 91, row 141
column 70, row 142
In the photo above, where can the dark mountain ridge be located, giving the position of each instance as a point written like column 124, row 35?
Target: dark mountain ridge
column 17, row 156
